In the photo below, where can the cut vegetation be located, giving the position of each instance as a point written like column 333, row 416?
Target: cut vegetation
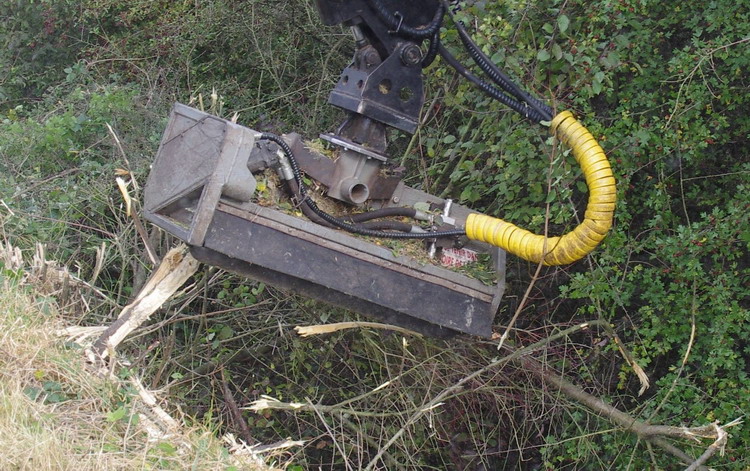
column 58, row 413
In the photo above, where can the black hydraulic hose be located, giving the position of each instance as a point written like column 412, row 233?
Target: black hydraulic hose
column 337, row 222
column 383, row 234
column 515, row 105
column 360, row 221
column 432, row 50
column 303, row 206
column 497, row 76
column 372, row 225
column 397, row 24
column 387, row 226
column 381, row 213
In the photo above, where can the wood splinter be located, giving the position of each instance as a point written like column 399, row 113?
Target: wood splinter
column 176, row 268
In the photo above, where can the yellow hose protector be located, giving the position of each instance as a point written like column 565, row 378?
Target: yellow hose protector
column 597, row 220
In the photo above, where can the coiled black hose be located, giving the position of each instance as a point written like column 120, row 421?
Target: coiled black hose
column 396, row 22
column 512, row 103
column 519, row 100
column 337, row 222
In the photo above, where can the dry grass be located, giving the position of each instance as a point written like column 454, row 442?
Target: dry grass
column 56, row 414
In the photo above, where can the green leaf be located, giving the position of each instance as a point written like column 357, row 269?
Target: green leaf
column 225, row 333
column 55, row 398
column 32, row 392
column 543, row 55
column 596, row 87
column 551, row 196
column 563, row 22
column 167, row 448
column 557, row 51
column 117, row 415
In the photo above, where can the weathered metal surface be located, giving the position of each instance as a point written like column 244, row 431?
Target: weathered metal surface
column 323, row 170
column 331, row 275
column 380, row 83
column 389, row 93
column 365, row 251
column 200, row 156
column 315, row 291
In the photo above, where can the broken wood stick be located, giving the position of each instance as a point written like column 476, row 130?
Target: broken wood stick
column 176, row 268
column 306, row 331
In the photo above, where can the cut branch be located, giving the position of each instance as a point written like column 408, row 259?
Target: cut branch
column 721, row 440
column 652, row 433
column 176, row 268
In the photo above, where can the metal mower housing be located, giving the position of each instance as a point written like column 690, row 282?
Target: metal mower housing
column 201, row 191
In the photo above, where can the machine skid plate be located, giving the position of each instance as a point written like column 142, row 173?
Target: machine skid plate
column 199, row 164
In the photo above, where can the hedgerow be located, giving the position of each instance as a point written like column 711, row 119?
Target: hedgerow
column 662, row 85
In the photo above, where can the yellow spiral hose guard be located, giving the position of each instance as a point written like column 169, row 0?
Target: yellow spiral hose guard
column 597, row 220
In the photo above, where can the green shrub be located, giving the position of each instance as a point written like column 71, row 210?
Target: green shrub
column 661, row 86
column 38, row 40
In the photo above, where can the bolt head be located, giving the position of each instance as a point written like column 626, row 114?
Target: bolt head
column 411, row 55
column 372, row 58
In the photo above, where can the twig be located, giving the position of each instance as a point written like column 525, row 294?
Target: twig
column 422, row 122
column 685, row 357
column 107, row 234
column 209, row 367
column 721, row 441
column 271, row 403
column 243, row 449
column 4, row 205
column 234, row 411
column 653, row 433
column 307, row 331
column 100, row 253
column 123, row 189
column 42, row 182
column 164, row 419
column 534, row 278
column 119, row 146
column 690, row 75
column 137, row 220
column 393, row 464
column 459, row 385
column 332, row 435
